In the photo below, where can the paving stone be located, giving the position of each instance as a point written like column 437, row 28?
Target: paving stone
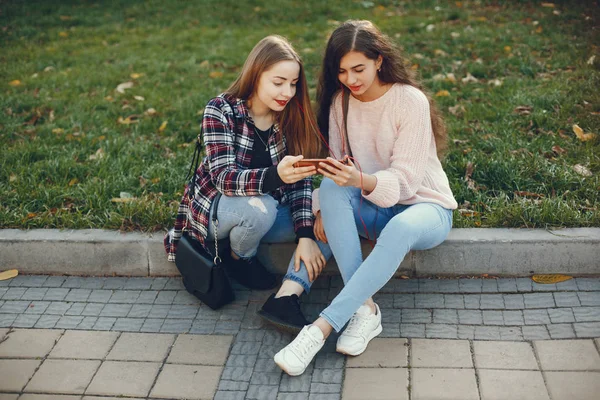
column 147, row 297
column 513, row 318
column 487, row 333
column 383, row 300
column 539, row 300
column 470, row 317
column 203, row 327
column 524, row 284
column 54, row 281
column 63, row 376
column 515, row 385
column 230, row 395
column 14, row 307
column 382, row 353
column 92, row 309
column 325, row 387
column 263, row 364
column 570, row 285
column 573, row 385
column 536, row 317
column 227, row 327
column 250, row 335
column 14, row 293
column 87, row 282
column 588, row 284
column 454, row 301
column 400, row 286
column 489, row 286
column 292, row 396
column 566, row 299
column 176, row 326
column 507, row 285
column 165, row 297
column 174, row 284
column 237, row 374
column 138, row 283
column 68, row 322
column 114, row 283
column 390, row 315
column 76, row 309
column 115, row 310
column 104, row 323
column 87, row 323
column 128, row 324
column 159, row 311
column 586, row 314
column 37, row 307
column 514, row 301
column 567, row 355
column 180, row 311
column 47, row 321
column 152, row 325
column 58, row 308
column 428, row 285
column 404, row 301
column 535, row 332
column 412, row 330
column 543, row 287
column 78, row 295
column 561, row 331
column 442, row 384
column 472, row 301
column 469, row 285
column 441, row 331
column 183, row 297
column 429, row 301
column 504, row 355
column 26, row 343
column 324, row 396
column 587, row 329
column 26, row 321
column 100, row 296
column 201, row 349
column 187, row 381
column 16, row 373
column 34, row 293
column 586, row 298
column 261, row 392
column 328, row 375
column 158, row 283
column 416, row 316
column 491, row 302
column 512, row 333
column 561, row 315
column 56, row 294
column 246, row 348
column 390, row 330
column 120, row 378
column 206, row 313
column 232, row 385
column 139, row 311
column 441, row 353
column 124, row 296
column 84, row 345
column 268, row 350
column 329, row 360
column 493, row 318
column 265, row 378
column 6, row 320
column 466, row 332
column 141, row 347
column 448, row 286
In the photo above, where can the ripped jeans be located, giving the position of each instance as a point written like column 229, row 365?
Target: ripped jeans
column 251, row 220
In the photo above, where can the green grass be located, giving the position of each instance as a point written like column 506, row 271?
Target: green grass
column 69, row 58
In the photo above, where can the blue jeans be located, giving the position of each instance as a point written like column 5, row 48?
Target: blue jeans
column 398, row 229
column 251, row 220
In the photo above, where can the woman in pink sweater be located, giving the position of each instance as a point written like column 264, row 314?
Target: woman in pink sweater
column 391, row 185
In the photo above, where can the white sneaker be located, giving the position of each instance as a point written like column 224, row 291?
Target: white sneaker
column 363, row 326
column 295, row 357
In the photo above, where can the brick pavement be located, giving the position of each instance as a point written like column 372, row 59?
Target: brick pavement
column 99, row 336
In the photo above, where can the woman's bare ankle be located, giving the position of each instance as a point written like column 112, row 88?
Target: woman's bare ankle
column 324, row 326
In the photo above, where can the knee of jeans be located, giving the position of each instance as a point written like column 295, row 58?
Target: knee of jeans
column 331, row 193
column 262, row 210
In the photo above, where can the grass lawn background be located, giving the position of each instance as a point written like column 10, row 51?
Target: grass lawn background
column 512, row 78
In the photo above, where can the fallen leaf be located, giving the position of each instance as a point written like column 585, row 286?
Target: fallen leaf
column 430, row 28
column 469, row 170
column 469, row 78
column 122, row 200
column 58, row 131
column 414, row 67
column 143, row 181
column 468, row 213
column 204, row 64
column 65, row 18
column 523, row 110
column 136, row 75
column 132, row 119
column 539, row 29
column 216, row 74
column 109, row 98
column 12, row 178
column 31, row 215
column 150, row 112
column 550, row 278
column 584, row 137
column 140, row 98
column 558, row 150
column 98, row 155
column 548, row 5
column 404, row 277
column 529, row 194
column 507, row 49
column 442, row 93
column 590, row 61
column 455, row 35
column 123, row 86
column 581, row 170
column 73, row 181
column 16, row 82
column 163, row 126
column 458, row 141
column 457, row 110
column 155, row 180
column 63, row 34
column 495, row 82
column 8, row 274
column 439, row 52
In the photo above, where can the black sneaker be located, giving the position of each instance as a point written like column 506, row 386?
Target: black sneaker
column 284, row 313
column 249, row 272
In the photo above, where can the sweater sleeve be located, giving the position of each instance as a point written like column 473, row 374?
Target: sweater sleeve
column 409, row 158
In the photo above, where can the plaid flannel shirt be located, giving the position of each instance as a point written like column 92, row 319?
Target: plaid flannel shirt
column 228, row 135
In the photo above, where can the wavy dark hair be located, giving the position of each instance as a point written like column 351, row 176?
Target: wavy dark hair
column 365, row 37
column 297, row 121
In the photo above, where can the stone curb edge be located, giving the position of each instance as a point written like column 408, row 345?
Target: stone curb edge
column 467, row 251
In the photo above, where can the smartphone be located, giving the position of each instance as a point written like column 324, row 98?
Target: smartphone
column 309, row 162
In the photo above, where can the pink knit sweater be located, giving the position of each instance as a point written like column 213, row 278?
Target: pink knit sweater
column 391, row 137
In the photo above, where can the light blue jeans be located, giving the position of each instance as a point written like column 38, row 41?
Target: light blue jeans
column 398, row 229
column 251, row 220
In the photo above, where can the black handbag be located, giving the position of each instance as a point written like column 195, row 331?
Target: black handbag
column 203, row 275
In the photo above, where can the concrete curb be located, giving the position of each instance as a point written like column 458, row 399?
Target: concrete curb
column 503, row 252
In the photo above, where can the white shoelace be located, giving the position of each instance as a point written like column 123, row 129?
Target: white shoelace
column 303, row 344
column 357, row 326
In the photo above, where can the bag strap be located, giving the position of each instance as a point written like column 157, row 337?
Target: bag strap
column 345, row 139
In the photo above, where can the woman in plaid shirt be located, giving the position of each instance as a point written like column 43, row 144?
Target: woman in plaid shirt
column 254, row 133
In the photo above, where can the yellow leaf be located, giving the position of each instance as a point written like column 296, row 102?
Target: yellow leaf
column 204, row 64
column 125, row 85
column 31, row 215
column 548, row 5
column 136, row 75
column 163, row 126
column 63, row 34
column 139, row 98
column 12, row 178
column 155, row 180
column 550, row 278
column 8, row 274
column 539, row 29
column 482, row 19
column 73, row 181
column 150, row 112
column 58, row 131
column 442, row 93
column 98, row 155
column 216, row 74
column 123, row 199
column 584, row 137
column 16, row 82
column 507, row 49
column 132, row 119
column 439, row 52
column 414, row 67
column 65, row 18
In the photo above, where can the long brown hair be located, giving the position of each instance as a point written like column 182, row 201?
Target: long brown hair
column 364, row 37
column 297, row 121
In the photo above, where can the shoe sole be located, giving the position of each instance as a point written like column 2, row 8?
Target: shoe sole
column 284, row 369
column 372, row 336
column 278, row 323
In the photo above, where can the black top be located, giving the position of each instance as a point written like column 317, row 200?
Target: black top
column 261, row 158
